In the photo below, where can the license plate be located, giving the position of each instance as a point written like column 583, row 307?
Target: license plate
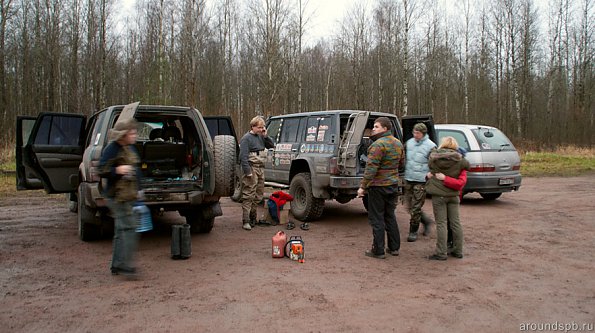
column 506, row 181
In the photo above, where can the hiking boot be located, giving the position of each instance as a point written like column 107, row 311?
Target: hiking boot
column 436, row 257
column 456, row 255
column 129, row 273
column 427, row 227
column 246, row 226
column 412, row 237
column 392, row 252
column 371, row 254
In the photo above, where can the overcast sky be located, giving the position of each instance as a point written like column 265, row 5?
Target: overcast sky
column 324, row 19
column 326, row 15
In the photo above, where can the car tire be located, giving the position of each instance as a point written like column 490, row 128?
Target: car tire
column 225, row 158
column 199, row 225
column 88, row 230
column 239, row 186
column 304, row 207
column 490, row 196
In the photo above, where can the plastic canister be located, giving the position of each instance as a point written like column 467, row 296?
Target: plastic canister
column 279, row 241
column 143, row 217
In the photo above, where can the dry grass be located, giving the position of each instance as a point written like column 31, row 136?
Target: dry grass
column 562, row 161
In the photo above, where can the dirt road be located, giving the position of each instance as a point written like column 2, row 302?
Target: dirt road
column 529, row 259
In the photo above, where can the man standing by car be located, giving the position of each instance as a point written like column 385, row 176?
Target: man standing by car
column 252, row 157
column 381, row 178
column 417, row 150
column 119, row 164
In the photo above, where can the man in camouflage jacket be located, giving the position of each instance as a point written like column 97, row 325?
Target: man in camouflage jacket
column 380, row 181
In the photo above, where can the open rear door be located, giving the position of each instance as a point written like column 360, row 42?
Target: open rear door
column 407, row 123
column 52, row 152
column 350, row 141
column 26, row 178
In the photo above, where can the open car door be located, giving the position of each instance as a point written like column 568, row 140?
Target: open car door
column 408, row 122
column 49, row 151
column 350, row 141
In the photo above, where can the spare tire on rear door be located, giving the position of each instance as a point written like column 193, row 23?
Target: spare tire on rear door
column 225, row 163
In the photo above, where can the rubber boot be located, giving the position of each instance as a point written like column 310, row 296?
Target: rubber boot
column 175, row 241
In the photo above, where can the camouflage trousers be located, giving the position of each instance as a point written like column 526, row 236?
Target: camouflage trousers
column 252, row 192
column 414, row 199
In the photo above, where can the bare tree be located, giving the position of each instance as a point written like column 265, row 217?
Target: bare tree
column 355, row 42
column 5, row 15
column 270, row 22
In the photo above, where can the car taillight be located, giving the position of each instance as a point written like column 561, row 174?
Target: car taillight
column 332, row 166
column 93, row 172
column 516, row 167
column 482, row 167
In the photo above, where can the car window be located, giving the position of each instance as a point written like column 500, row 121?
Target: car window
column 59, row 131
column 319, row 129
column 274, row 128
column 26, row 130
column 218, row 126
column 492, row 139
column 458, row 135
column 289, row 130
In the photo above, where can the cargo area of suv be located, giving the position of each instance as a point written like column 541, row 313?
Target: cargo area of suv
column 184, row 168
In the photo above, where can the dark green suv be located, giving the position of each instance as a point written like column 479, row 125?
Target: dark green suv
column 184, row 169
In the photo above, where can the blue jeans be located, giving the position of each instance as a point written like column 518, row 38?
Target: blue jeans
column 382, row 202
column 125, row 236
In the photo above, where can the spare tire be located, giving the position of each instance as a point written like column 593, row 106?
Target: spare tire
column 225, row 164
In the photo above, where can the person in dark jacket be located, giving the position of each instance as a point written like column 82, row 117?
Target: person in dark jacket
column 252, row 158
column 444, row 162
column 119, row 164
column 380, row 181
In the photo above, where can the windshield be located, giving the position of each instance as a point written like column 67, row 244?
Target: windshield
column 492, row 139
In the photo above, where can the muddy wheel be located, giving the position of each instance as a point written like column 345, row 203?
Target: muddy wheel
column 304, row 207
column 199, row 225
column 88, row 230
column 225, row 164
column 490, row 196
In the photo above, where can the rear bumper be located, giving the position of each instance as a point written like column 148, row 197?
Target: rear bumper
column 345, row 182
column 491, row 184
column 168, row 200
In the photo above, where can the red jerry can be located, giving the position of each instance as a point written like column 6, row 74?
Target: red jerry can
column 279, row 241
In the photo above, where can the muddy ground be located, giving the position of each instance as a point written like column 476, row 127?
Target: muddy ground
column 529, row 259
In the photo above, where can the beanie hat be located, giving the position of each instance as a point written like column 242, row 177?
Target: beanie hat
column 121, row 128
column 420, row 127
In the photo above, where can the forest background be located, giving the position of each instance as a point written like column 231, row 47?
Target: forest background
column 524, row 68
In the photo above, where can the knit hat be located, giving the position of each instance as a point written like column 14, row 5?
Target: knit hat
column 121, row 128
column 420, row 127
